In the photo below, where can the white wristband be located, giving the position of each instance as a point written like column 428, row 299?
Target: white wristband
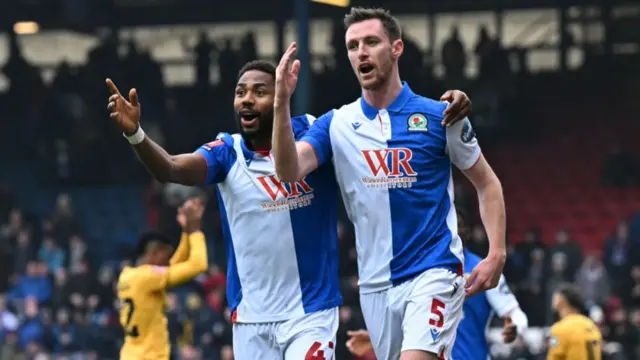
column 136, row 138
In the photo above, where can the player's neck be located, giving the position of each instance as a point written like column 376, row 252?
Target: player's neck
column 384, row 96
column 567, row 311
column 260, row 145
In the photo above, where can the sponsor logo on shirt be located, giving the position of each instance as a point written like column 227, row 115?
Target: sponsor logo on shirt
column 390, row 168
column 285, row 196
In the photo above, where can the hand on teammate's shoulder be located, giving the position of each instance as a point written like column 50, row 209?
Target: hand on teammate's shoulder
column 126, row 114
column 459, row 107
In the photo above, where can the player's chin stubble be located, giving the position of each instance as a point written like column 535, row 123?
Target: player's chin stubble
column 261, row 131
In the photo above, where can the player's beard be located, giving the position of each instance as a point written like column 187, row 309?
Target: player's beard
column 261, row 132
column 383, row 73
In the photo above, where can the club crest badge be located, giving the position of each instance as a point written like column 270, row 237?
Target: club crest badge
column 417, row 122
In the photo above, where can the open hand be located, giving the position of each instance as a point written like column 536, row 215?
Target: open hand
column 486, row 275
column 287, row 74
column 192, row 211
column 459, row 107
column 126, row 114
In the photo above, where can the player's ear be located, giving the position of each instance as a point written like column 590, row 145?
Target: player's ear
column 397, row 48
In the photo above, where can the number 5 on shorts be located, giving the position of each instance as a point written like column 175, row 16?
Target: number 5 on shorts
column 436, row 309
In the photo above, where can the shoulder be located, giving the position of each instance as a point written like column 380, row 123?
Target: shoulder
column 426, row 106
column 221, row 150
column 301, row 124
column 223, row 141
column 559, row 329
column 348, row 109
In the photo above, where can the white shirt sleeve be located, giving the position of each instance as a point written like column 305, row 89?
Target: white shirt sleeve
column 501, row 298
column 462, row 145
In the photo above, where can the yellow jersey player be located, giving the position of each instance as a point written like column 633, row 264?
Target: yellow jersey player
column 574, row 336
column 141, row 289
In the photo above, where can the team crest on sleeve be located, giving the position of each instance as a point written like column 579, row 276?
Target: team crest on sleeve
column 417, row 122
column 467, row 134
column 553, row 341
column 213, row 144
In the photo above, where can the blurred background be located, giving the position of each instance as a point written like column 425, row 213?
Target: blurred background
column 554, row 84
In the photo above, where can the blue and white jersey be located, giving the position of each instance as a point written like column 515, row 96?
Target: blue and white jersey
column 394, row 170
column 471, row 341
column 281, row 238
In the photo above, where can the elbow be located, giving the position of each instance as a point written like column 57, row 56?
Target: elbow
column 202, row 264
column 491, row 187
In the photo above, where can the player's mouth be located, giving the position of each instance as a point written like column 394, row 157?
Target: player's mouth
column 365, row 69
column 249, row 118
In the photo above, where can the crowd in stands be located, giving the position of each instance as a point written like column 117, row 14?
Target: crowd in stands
column 59, row 296
column 58, row 302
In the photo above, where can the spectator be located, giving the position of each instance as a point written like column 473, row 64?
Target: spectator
column 632, row 298
column 51, row 255
column 593, row 280
column 103, row 337
column 454, row 59
column 617, row 257
column 80, row 286
column 63, row 218
column 24, row 252
column 571, row 251
column 8, row 321
column 77, row 252
column 10, row 230
column 31, row 334
column 35, row 284
column 64, row 334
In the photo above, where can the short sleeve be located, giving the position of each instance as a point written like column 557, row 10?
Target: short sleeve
column 462, row 145
column 319, row 139
column 557, row 344
column 501, row 298
column 220, row 156
column 301, row 125
column 152, row 278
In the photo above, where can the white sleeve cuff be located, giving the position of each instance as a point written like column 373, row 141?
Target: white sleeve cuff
column 519, row 319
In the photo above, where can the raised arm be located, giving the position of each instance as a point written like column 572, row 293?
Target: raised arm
column 187, row 169
column 293, row 160
column 196, row 262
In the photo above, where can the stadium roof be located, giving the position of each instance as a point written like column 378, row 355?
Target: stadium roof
column 86, row 15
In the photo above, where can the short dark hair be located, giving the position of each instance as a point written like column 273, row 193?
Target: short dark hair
column 573, row 296
column 259, row 65
column 390, row 24
column 152, row 236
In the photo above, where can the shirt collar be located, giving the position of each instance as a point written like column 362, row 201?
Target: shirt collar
column 405, row 94
column 249, row 154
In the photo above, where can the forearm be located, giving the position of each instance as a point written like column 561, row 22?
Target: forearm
column 156, row 159
column 194, row 265
column 182, row 252
column 492, row 212
column 284, row 145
